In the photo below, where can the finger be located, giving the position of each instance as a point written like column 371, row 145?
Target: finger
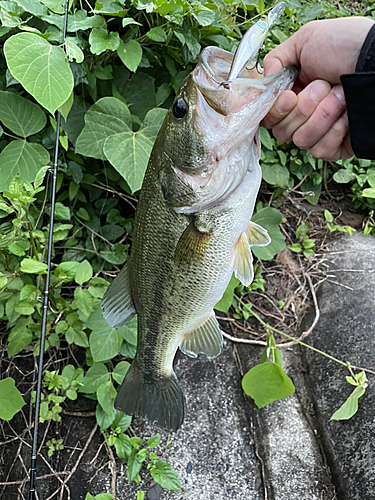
column 334, row 145
column 282, row 107
column 346, row 148
column 308, row 101
column 324, row 116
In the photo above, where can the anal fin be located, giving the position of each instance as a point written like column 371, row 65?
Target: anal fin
column 117, row 304
column 206, row 339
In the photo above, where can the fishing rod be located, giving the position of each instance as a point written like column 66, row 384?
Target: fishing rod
column 46, row 292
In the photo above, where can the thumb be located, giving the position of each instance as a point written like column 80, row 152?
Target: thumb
column 284, row 55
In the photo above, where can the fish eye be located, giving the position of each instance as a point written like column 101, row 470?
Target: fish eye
column 179, row 109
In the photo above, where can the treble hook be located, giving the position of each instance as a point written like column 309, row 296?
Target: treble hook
column 261, row 49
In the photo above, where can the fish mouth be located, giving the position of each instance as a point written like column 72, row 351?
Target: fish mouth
column 211, row 79
column 223, row 78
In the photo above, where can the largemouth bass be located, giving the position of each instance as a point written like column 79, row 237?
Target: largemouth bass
column 192, row 226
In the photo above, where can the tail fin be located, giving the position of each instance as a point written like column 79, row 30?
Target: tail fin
column 160, row 399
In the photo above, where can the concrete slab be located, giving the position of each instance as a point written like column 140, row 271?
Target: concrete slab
column 346, row 330
column 294, row 468
column 213, row 452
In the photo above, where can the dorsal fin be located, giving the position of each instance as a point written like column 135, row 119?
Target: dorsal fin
column 117, row 304
column 206, row 339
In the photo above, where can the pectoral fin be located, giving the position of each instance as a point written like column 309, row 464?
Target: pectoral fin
column 117, row 304
column 243, row 261
column 191, row 247
column 254, row 236
column 206, row 339
column 257, row 235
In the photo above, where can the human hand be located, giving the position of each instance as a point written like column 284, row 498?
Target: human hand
column 313, row 113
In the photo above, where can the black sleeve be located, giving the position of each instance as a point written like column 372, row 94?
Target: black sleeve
column 359, row 89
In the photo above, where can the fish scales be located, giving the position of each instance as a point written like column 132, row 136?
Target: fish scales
column 193, row 224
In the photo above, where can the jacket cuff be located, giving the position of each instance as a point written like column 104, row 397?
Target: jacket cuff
column 359, row 89
column 366, row 59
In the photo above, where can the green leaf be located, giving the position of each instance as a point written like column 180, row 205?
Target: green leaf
column 32, row 6
column 275, row 174
column 106, row 117
column 157, row 35
column 96, row 375
column 138, row 92
column 20, row 115
column 23, row 159
column 19, row 338
column 11, row 400
column 39, row 178
column 74, row 52
column 41, row 68
column 32, row 266
column 129, row 20
column 67, row 106
column 130, row 54
column 106, row 394
column 56, row 6
column 122, row 422
column 350, row 407
column 105, row 344
column 227, row 298
column 205, row 17
column 279, row 35
column 328, row 216
column 62, row 212
column 123, row 446
column 163, row 92
column 84, row 272
column 66, row 271
column 266, row 383
column 80, row 21
column 140, row 495
column 165, row 475
column 265, row 138
column 135, row 147
column 368, row 192
column 129, row 331
column 296, row 247
column 120, row 371
column 153, row 441
column 100, row 40
column 343, row 176
column 269, row 218
column 134, row 466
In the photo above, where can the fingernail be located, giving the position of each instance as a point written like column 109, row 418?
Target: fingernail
column 319, row 89
column 339, row 92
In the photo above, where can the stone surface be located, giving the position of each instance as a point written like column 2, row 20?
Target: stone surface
column 213, row 452
column 346, row 330
column 294, row 467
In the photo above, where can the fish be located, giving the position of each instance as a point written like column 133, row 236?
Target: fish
column 193, row 226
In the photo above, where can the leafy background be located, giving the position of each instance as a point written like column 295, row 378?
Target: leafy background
column 112, row 81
